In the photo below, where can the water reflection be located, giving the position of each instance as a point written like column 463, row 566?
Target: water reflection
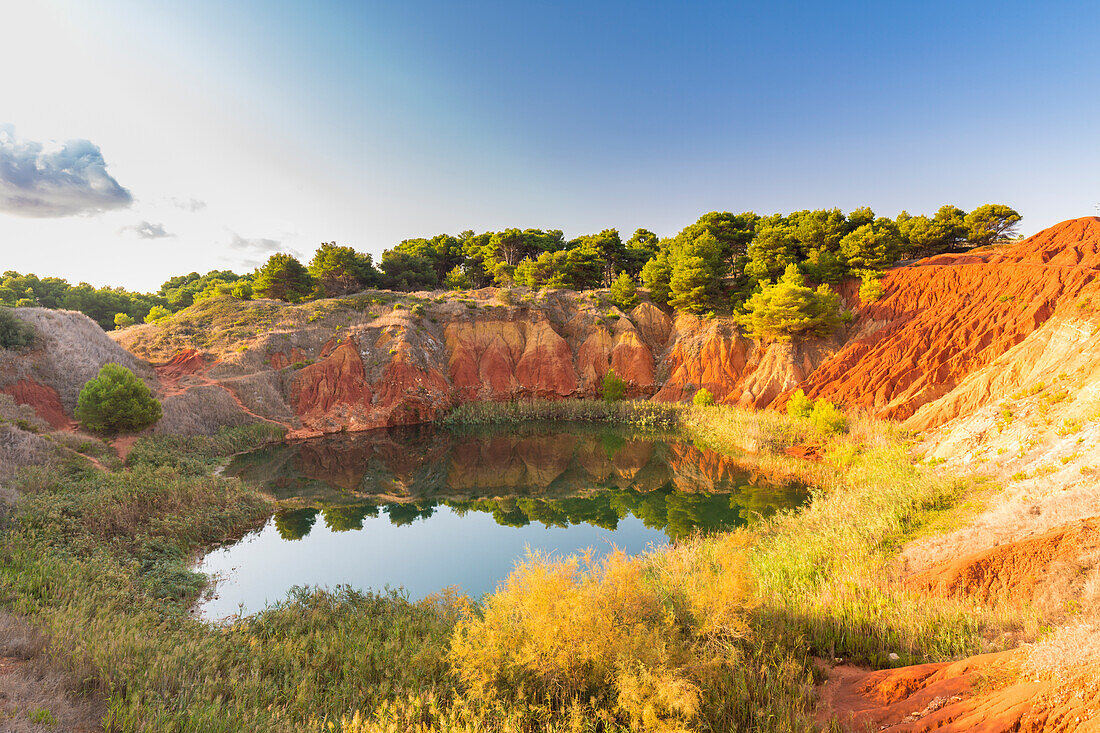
column 543, row 474
column 423, row 510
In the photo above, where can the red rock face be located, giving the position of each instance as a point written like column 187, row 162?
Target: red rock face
column 947, row 316
column 334, row 394
column 507, row 359
column 337, row 379
column 45, row 401
column 705, row 357
column 283, row 359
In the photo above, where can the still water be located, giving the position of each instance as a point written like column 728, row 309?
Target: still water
column 424, row 509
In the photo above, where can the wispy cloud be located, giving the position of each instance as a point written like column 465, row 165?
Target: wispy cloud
column 55, row 181
column 187, row 204
column 259, row 246
column 147, row 230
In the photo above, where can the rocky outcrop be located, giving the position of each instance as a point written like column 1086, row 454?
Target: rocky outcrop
column 950, row 696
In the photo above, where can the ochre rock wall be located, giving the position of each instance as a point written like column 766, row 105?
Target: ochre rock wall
column 339, row 365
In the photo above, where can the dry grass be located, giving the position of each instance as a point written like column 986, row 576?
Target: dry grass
column 35, row 694
column 201, row 410
column 22, row 448
column 75, row 348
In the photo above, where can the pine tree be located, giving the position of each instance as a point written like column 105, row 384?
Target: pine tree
column 656, row 275
column 623, row 292
column 689, row 285
column 283, row 278
column 788, row 308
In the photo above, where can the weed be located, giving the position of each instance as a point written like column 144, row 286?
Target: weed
column 42, row 716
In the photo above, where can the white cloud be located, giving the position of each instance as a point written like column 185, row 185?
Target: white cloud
column 188, row 204
column 259, row 246
column 55, row 181
column 147, row 230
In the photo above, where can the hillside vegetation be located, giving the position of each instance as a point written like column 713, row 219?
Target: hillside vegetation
column 714, row 263
column 708, row 635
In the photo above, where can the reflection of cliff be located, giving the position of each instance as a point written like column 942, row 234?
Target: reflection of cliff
column 420, row 462
column 555, row 477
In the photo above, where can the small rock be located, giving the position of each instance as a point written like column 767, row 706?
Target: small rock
column 893, row 657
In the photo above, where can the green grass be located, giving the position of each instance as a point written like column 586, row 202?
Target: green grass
column 102, row 562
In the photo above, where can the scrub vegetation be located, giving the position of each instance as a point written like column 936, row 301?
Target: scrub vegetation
column 719, row 263
column 713, row 633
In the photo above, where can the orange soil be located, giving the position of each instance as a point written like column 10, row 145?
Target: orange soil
column 1011, row 570
column 187, row 363
column 123, row 445
column 953, row 697
column 45, row 401
column 947, row 316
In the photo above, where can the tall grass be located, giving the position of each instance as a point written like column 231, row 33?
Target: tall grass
column 638, row 414
column 714, row 633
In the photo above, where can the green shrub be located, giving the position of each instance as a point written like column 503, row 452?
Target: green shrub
column 827, row 418
column 871, row 288
column 823, row 414
column 799, row 405
column 456, row 279
column 15, row 333
column 703, row 398
column 116, row 401
column 122, row 320
column 623, row 292
column 156, row 313
column 787, row 308
column 613, row 388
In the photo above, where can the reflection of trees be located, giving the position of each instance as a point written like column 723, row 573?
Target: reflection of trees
column 553, row 476
column 294, row 524
column 343, row 518
column 675, row 513
column 402, row 514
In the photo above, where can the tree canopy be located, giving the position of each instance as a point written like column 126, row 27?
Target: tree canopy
column 716, row 262
column 283, row 277
column 788, row 308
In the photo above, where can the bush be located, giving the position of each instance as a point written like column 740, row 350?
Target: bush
column 827, row 418
column 623, row 292
column 122, row 320
column 456, row 279
column 156, row 313
column 871, row 288
column 613, row 388
column 799, row 405
column 703, row 398
column 651, row 638
column 823, row 414
column 15, row 333
column 116, row 401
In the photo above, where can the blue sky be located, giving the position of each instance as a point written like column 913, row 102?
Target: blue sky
column 239, row 129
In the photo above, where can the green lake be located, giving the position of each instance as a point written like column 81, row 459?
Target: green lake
column 422, row 509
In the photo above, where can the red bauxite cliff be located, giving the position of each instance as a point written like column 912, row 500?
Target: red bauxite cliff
column 947, row 316
column 378, row 359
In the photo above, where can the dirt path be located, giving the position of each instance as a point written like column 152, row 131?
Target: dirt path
column 188, row 368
